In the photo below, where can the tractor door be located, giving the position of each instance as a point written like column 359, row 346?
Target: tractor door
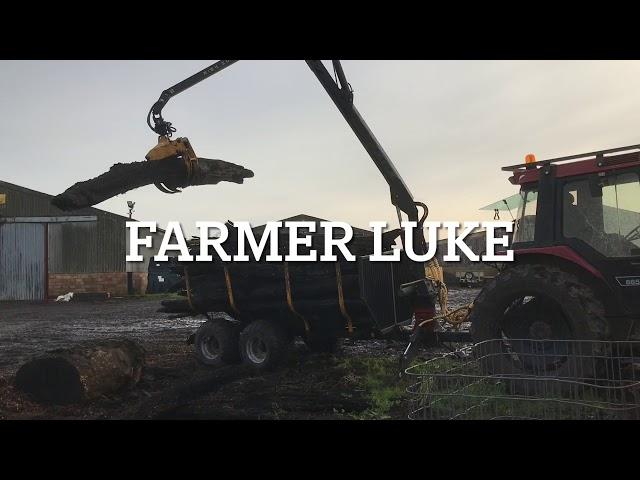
column 601, row 221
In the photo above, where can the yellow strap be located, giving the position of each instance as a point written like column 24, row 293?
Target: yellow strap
column 227, row 280
column 287, row 282
column 343, row 307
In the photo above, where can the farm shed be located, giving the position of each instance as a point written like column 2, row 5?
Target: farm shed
column 45, row 252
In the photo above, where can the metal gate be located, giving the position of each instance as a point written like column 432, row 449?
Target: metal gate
column 22, row 261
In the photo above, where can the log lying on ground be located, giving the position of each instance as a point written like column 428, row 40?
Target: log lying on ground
column 82, row 372
column 123, row 177
column 174, row 306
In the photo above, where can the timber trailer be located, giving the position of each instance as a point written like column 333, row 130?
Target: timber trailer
column 387, row 295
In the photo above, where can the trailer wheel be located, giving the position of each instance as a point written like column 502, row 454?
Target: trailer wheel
column 264, row 344
column 216, row 343
column 522, row 319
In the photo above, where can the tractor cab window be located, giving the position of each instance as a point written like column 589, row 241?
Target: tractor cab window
column 604, row 212
column 526, row 221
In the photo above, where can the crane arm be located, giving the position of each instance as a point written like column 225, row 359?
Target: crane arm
column 164, row 128
column 342, row 95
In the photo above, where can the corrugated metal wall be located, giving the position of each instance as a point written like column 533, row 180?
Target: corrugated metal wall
column 87, row 247
column 22, row 261
column 74, row 247
column 111, row 244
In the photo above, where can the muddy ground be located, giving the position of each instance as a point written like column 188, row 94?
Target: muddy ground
column 360, row 381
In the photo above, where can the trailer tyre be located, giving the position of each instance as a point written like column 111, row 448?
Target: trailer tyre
column 216, row 343
column 264, row 344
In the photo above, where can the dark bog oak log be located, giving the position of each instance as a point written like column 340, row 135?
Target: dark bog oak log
column 360, row 245
column 204, row 287
column 82, row 372
column 325, row 287
column 259, row 290
column 255, row 275
column 214, row 286
column 123, row 177
column 257, row 307
column 175, row 306
column 177, row 287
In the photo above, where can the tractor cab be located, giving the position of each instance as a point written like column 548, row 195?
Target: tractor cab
column 585, row 209
column 598, row 206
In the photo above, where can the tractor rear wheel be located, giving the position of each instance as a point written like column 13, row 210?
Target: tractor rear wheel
column 536, row 320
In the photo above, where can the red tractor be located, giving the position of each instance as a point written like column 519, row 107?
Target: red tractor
column 576, row 274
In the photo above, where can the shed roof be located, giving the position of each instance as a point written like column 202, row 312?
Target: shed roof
column 45, row 208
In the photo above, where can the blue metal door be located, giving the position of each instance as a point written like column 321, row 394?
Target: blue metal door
column 22, row 261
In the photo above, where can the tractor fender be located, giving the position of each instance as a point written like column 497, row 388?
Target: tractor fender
column 562, row 252
column 567, row 259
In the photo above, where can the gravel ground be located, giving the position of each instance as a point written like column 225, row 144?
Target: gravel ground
column 30, row 328
column 174, row 384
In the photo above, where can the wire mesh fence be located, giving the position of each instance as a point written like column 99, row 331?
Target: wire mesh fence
column 529, row 379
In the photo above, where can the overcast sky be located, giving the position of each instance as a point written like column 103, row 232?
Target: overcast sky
column 447, row 125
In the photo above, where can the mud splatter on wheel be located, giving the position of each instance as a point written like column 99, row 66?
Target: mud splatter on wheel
column 532, row 310
column 216, row 342
column 264, row 344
